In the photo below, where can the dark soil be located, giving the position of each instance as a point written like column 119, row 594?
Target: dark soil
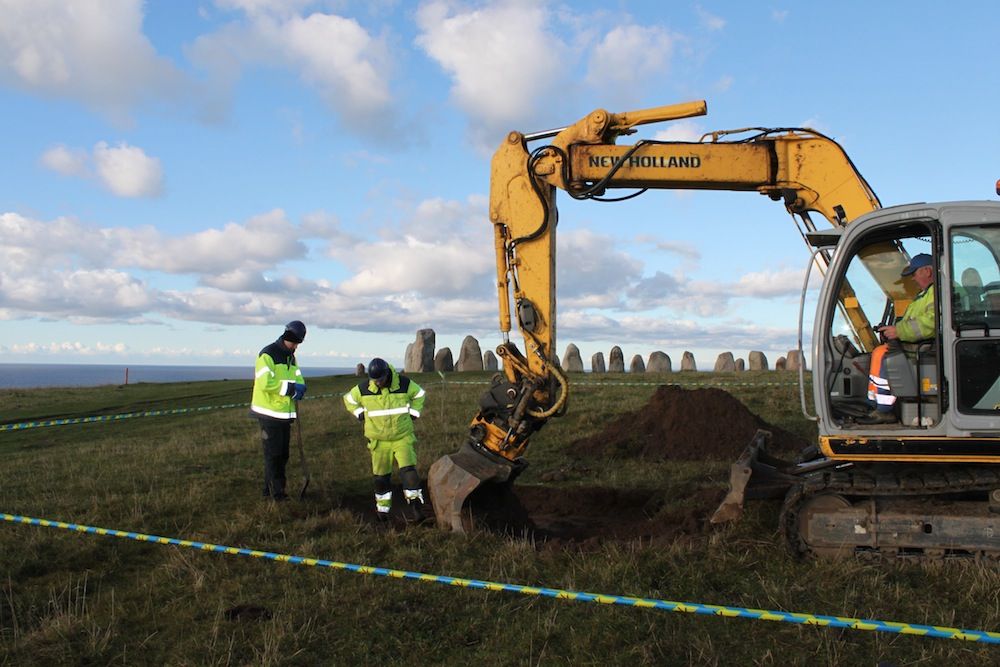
column 677, row 424
column 685, row 425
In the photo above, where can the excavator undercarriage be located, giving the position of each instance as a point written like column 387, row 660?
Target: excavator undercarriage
column 837, row 509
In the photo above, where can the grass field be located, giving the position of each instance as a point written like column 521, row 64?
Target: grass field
column 69, row 598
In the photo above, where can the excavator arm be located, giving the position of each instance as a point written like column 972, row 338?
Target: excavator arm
column 805, row 170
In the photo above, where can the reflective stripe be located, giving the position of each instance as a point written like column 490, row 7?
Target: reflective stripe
column 273, row 413
column 413, row 494
column 285, row 384
column 390, row 411
column 885, row 399
column 415, row 413
column 350, row 399
column 879, row 381
column 298, row 373
column 914, row 327
column 419, row 393
column 263, row 370
column 383, row 501
column 358, row 411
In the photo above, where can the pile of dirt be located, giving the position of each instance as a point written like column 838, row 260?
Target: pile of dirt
column 685, row 425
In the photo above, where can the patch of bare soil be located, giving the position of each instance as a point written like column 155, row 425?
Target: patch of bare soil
column 588, row 516
column 676, row 424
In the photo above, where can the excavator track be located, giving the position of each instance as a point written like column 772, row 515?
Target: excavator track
column 914, row 514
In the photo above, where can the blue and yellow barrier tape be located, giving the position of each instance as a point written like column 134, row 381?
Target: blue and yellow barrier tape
column 941, row 632
column 128, row 415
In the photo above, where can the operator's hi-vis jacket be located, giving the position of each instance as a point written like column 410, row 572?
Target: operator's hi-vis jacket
column 917, row 322
column 274, row 379
column 388, row 412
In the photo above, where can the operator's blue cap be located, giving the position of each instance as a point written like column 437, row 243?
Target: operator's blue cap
column 918, row 261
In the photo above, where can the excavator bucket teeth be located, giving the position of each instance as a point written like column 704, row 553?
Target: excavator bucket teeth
column 454, row 477
column 755, row 474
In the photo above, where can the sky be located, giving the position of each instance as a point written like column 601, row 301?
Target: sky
column 179, row 178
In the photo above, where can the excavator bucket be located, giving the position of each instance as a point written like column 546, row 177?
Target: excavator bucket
column 755, row 474
column 454, row 477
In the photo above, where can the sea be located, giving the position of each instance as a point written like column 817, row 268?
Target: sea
column 13, row 376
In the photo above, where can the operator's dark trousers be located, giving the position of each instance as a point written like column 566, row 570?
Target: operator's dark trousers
column 275, row 437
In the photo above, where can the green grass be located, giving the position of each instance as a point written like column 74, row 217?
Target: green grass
column 68, row 598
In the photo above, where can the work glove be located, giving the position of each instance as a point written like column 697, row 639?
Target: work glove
column 300, row 391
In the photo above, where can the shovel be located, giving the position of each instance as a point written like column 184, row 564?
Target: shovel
column 302, row 452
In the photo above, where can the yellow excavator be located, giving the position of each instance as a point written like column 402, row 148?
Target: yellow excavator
column 926, row 484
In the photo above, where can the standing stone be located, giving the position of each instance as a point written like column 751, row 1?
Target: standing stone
column 616, row 360
column 687, row 362
column 572, row 363
column 597, row 363
column 637, row 365
column 794, row 360
column 740, row 366
column 758, row 362
column 443, row 360
column 659, row 362
column 360, row 370
column 470, row 357
column 779, row 365
column 420, row 354
column 489, row 361
column 725, row 363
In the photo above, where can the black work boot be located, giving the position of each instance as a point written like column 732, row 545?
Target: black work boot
column 415, row 512
column 279, row 490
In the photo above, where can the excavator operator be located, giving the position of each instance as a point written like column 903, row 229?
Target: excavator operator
column 916, row 324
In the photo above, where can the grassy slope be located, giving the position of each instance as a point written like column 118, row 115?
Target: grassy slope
column 81, row 599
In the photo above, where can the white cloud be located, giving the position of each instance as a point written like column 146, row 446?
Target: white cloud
column 723, row 83
column 614, row 67
column 592, row 272
column 265, row 7
column 443, row 250
column 349, row 67
column 444, row 269
column 124, row 170
column 91, row 52
column 709, row 20
column 685, row 250
column 74, row 347
column 65, row 161
column 768, row 283
column 502, row 57
column 127, row 171
column 680, row 130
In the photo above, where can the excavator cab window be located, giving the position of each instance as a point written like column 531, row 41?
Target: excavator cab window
column 877, row 289
column 975, row 269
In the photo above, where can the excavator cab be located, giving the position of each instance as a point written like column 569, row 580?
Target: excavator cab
column 925, row 480
column 943, row 384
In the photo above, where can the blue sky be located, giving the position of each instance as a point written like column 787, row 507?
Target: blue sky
column 179, row 178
